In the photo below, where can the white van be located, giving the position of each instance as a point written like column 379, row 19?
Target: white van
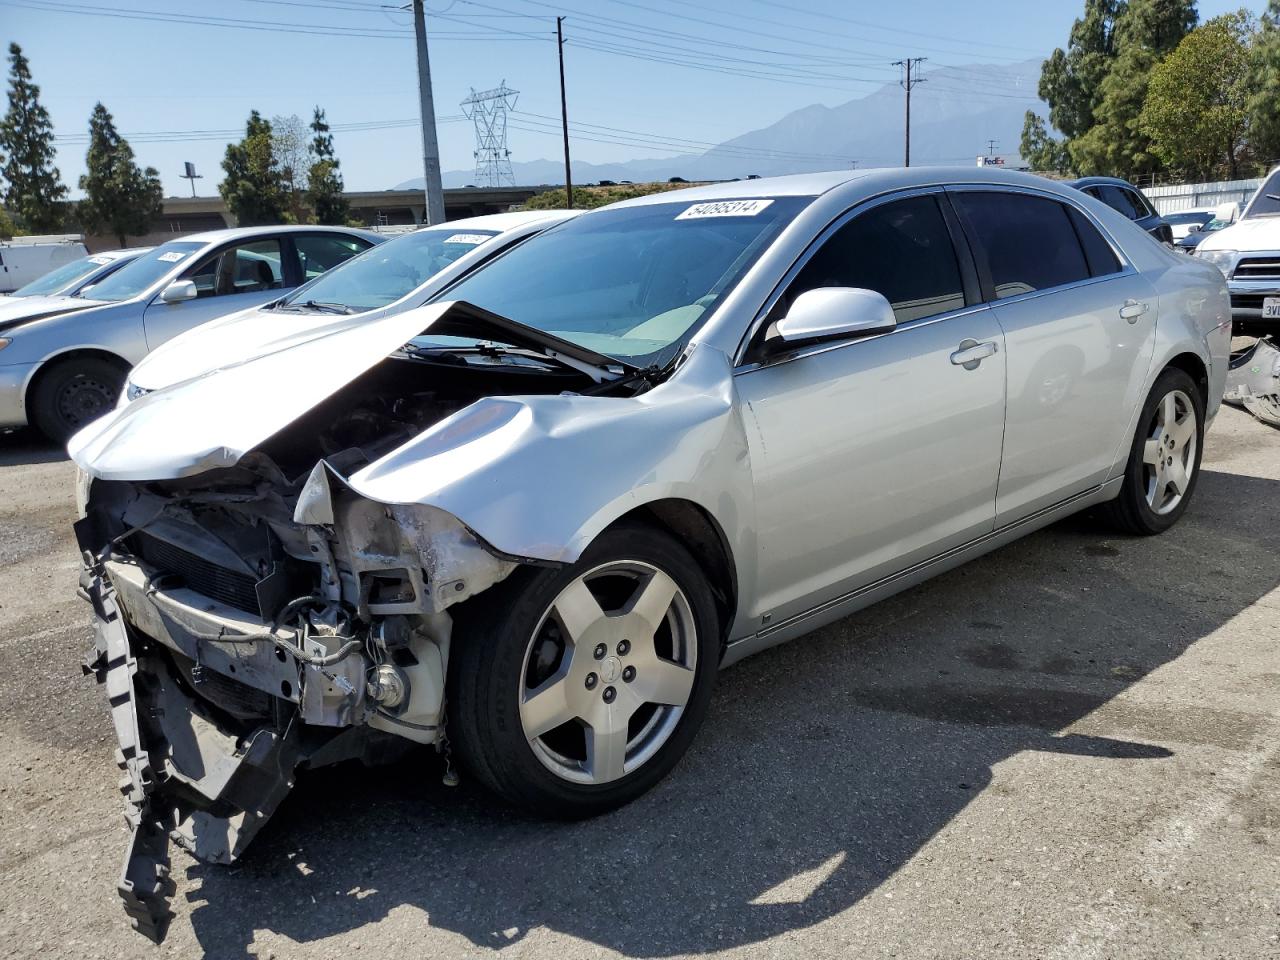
column 24, row 259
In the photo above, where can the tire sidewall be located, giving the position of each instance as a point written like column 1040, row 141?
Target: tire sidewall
column 45, row 413
column 522, row 771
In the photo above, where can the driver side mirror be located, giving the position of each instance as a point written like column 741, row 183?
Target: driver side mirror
column 1194, row 228
column 827, row 312
column 178, row 291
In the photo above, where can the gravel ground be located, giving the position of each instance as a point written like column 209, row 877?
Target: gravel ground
column 1067, row 749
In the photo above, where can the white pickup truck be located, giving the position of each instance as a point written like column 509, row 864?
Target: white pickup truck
column 1248, row 252
column 24, row 259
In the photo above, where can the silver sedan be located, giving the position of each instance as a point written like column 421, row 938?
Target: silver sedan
column 64, row 364
column 530, row 520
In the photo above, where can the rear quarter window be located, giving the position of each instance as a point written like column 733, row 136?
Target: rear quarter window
column 1028, row 242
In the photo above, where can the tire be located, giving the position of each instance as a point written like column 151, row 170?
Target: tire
column 599, row 742
column 1164, row 463
column 72, row 393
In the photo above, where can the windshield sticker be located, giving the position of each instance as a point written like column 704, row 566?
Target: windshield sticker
column 471, row 238
column 173, row 256
column 100, row 261
column 724, row 208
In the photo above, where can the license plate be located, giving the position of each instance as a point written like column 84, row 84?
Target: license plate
column 1271, row 308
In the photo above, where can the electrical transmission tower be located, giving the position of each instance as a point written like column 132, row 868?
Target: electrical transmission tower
column 488, row 111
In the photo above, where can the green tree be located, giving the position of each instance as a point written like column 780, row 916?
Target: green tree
column 119, row 198
column 1264, row 82
column 1196, row 111
column 1156, row 25
column 1042, row 151
column 289, row 143
column 33, row 185
column 1071, row 79
column 324, row 180
column 254, row 188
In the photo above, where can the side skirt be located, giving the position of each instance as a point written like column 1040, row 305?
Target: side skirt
column 838, row 607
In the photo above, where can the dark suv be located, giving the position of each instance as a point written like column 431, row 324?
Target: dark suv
column 1128, row 199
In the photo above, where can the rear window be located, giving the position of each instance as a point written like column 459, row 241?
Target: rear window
column 1028, row 242
column 1266, row 202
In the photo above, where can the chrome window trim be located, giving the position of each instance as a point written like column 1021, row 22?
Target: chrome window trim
column 867, row 203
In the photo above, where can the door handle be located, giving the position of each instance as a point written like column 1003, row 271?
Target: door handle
column 972, row 353
column 1132, row 310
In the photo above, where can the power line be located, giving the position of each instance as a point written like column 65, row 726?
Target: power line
column 907, row 84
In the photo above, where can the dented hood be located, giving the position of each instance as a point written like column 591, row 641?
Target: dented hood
column 214, row 419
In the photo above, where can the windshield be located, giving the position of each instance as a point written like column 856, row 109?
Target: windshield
column 632, row 283
column 138, row 276
column 63, row 277
column 1177, row 219
column 385, row 273
column 1266, row 202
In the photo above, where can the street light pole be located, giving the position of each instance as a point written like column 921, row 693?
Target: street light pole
column 430, row 146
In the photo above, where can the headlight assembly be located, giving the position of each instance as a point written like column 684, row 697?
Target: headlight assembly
column 1222, row 259
column 4, row 342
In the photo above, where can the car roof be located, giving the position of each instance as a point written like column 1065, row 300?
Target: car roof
column 248, row 233
column 869, row 182
column 1100, row 181
column 501, row 222
column 125, row 252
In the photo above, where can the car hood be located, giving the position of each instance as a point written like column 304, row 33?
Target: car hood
column 238, row 336
column 15, row 311
column 215, row 418
column 1256, row 233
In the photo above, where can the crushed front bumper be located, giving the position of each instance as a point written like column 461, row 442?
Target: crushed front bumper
column 1254, row 372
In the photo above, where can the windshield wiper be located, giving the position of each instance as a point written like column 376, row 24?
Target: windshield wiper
column 319, row 306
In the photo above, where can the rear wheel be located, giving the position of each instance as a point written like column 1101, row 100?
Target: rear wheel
column 74, row 392
column 573, row 691
column 1164, row 461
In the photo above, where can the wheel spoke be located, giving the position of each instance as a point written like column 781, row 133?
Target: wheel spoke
column 664, row 682
column 1169, row 411
column 1151, row 452
column 577, row 609
column 1176, row 474
column 607, row 748
column 1182, row 431
column 653, row 600
column 548, row 707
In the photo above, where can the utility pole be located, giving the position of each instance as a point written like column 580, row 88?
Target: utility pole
column 430, row 146
column 564, row 116
column 991, row 147
column 907, row 83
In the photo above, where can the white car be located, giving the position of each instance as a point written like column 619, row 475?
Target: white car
column 396, row 276
column 1248, row 253
column 1182, row 221
column 23, row 259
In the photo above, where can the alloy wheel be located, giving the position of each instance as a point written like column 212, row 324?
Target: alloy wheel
column 608, row 672
column 1169, row 454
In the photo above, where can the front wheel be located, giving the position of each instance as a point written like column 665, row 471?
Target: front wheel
column 1164, row 461
column 74, row 392
column 573, row 691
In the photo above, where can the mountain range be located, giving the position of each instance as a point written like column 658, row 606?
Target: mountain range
column 954, row 112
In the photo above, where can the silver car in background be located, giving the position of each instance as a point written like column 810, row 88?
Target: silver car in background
column 73, row 278
column 403, row 273
column 653, row 440
column 60, row 370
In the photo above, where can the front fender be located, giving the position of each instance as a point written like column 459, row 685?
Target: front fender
column 540, row 477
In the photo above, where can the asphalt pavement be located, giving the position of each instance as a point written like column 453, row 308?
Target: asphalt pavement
column 1067, row 749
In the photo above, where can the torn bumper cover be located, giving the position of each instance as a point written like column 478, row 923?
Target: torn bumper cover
column 215, row 706
column 1254, row 373
column 185, row 778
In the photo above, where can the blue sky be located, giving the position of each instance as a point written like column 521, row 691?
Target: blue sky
column 163, row 75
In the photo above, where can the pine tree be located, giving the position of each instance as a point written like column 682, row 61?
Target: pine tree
column 33, row 185
column 1264, row 103
column 324, row 190
column 1043, row 152
column 254, row 188
column 119, row 198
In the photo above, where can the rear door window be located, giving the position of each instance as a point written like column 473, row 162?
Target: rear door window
column 318, row 252
column 1123, row 200
column 900, row 249
column 1028, row 242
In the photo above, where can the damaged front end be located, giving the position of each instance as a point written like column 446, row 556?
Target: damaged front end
column 1253, row 381
column 248, row 626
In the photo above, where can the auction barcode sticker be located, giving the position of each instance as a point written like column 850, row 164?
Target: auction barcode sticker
column 173, row 256
column 724, row 208
column 100, row 261
column 471, row 238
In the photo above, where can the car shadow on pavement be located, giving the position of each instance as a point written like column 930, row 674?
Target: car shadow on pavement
column 824, row 766
column 25, row 446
